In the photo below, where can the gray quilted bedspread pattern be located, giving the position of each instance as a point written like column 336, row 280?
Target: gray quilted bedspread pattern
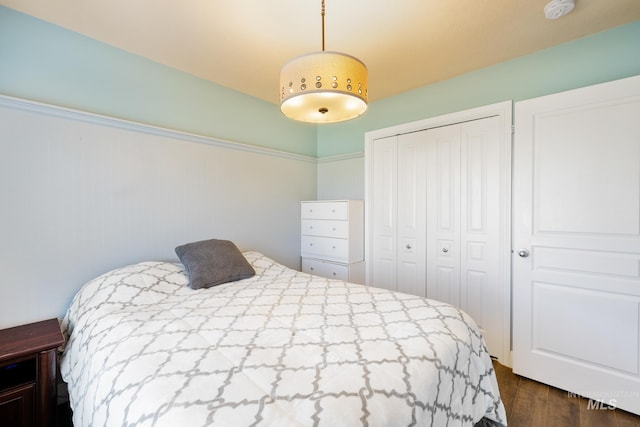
column 282, row 348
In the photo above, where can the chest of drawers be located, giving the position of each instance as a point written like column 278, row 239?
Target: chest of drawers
column 332, row 239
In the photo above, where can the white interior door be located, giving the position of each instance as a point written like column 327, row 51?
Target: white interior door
column 576, row 265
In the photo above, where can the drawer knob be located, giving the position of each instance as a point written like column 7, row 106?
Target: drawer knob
column 310, row 244
column 334, row 274
column 311, row 269
column 445, row 250
column 334, row 247
column 408, row 246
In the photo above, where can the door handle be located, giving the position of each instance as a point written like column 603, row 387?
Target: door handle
column 523, row 253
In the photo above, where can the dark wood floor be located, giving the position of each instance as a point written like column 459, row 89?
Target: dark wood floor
column 532, row 404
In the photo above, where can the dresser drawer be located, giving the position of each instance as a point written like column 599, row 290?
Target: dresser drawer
column 325, row 248
column 325, row 269
column 325, row 210
column 326, row 228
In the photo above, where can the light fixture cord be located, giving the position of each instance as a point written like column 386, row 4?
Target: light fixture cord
column 322, row 13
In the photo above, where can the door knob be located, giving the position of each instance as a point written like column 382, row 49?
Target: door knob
column 523, row 253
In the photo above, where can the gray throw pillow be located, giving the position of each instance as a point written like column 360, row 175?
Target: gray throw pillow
column 213, row 262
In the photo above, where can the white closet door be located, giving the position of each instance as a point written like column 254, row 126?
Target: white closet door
column 483, row 211
column 576, row 275
column 384, row 215
column 443, row 214
column 411, row 213
column 466, row 209
column 439, row 209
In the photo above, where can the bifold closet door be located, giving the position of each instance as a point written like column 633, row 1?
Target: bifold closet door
column 384, row 215
column 443, row 214
column 399, row 249
column 440, row 202
column 411, row 205
column 465, row 210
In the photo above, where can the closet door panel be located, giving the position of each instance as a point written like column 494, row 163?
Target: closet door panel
column 385, row 158
column 474, row 169
column 481, row 187
column 476, row 290
column 443, row 214
column 411, row 212
column 445, row 285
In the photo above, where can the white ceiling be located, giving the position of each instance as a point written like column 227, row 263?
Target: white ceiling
column 405, row 44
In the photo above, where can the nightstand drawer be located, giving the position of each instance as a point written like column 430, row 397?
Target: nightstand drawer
column 325, row 210
column 326, row 228
column 325, row 248
column 325, row 269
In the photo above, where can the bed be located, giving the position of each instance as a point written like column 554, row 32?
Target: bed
column 280, row 348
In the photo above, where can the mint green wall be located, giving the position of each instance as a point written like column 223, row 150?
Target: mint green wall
column 606, row 56
column 46, row 63
column 42, row 62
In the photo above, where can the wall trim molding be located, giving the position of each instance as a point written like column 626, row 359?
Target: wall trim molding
column 341, row 157
column 92, row 118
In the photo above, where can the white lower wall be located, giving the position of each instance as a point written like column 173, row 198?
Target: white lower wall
column 83, row 194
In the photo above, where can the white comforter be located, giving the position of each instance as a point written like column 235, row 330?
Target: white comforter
column 282, row 348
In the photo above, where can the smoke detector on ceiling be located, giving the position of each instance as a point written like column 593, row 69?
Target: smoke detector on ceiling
column 557, row 8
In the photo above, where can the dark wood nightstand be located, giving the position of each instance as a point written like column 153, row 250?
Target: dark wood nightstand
column 28, row 359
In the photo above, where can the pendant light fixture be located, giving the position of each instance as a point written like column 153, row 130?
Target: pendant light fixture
column 323, row 87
